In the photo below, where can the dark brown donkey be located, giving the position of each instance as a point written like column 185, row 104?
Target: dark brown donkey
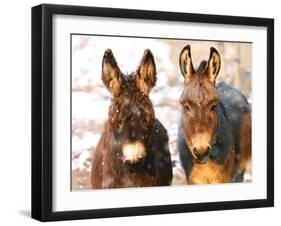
column 133, row 149
column 215, row 129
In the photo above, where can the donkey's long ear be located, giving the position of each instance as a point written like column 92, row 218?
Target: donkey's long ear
column 186, row 65
column 146, row 72
column 111, row 75
column 214, row 64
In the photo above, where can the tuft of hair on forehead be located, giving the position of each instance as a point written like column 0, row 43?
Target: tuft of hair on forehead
column 129, row 77
column 202, row 67
column 200, row 90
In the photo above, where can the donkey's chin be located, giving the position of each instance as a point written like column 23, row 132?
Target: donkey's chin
column 133, row 152
column 202, row 161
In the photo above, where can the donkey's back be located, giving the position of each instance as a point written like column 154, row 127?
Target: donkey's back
column 233, row 102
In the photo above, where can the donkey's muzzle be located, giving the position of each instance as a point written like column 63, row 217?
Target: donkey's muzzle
column 201, row 157
column 133, row 152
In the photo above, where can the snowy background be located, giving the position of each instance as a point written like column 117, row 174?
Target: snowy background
column 91, row 100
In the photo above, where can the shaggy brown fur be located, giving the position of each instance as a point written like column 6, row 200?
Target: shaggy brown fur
column 133, row 149
column 216, row 124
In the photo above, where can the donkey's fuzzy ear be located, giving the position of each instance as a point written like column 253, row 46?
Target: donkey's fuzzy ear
column 111, row 75
column 214, row 64
column 186, row 65
column 146, row 72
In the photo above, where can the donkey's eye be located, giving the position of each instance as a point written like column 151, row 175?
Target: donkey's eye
column 119, row 126
column 186, row 108
column 213, row 108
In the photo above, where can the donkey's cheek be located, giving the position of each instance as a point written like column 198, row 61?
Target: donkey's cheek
column 187, row 138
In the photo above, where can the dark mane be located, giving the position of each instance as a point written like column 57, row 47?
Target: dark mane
column 129, row 77
column 202, row 67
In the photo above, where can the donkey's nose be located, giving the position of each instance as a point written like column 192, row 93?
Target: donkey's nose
column 202, row 155
column 195, row 152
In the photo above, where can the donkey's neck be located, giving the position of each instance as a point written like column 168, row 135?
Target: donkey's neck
column 224, row 137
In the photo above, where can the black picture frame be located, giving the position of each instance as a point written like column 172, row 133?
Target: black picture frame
column 42, row 108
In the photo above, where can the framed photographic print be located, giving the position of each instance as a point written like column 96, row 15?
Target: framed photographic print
column 146, row 112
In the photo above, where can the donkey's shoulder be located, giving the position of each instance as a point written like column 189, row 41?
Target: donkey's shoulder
column 160, row 131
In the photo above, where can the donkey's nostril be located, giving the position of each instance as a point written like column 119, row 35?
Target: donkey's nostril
column 195, row 152
column 202, row 156
column 208, row 150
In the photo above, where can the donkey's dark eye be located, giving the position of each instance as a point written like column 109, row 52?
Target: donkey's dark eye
column 186, row 108
column 213, row 108
column 119, row 126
